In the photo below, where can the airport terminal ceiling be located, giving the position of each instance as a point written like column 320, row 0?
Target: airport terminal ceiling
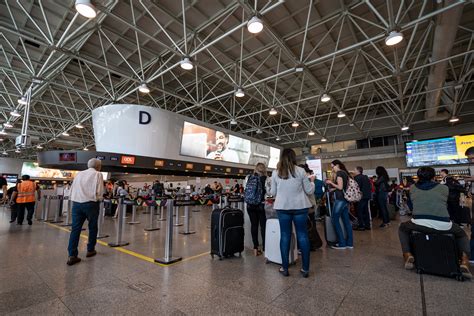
column 308, row 52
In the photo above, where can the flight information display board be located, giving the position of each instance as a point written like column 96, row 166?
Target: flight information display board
column 439, row 151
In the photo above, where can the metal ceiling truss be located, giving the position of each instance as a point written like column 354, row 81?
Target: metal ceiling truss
column 307, row 47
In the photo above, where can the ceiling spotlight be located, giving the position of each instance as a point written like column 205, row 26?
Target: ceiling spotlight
column 255, row 25
column 15, row 113
column 65, row 134
column 186, row 63
column 5, row 153
column 18, row 150
column 7, row 125
column 278, row 138
column 86, row 149
column 233, row 121
column 2, row 132
column 1, row 139
column 86, row 8
column 351, row 124
column 239, row 93
column 39, row 146
column 143, row 88
column 311, row 133
column 259, row 131
column 324, row 139
column 299, row 68
column 295, row 124
column 79, row 125
column 22, row 100
column 341, row 114
column 393, row 38
column 405, row 127
column 272, row 111
column 454, row 119
column 325, row 97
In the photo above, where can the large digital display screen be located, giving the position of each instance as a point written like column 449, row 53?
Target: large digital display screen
column 439, row 151
column 203, row 142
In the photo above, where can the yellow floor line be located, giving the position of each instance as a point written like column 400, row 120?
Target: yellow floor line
column 130, row 252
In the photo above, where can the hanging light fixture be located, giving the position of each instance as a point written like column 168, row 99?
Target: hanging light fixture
column 18, row 150
column 7, row 125
column 86, row 8
column 86, row 149
column 324, row 139
column 255, row 25
column 65, row 133
column 143, row 88
column 1, row 139
column 325, row 98
column 278, row 138
column 239, row 93
column 15, row 113
column 79, row 125
column 186, row 63
column 272, row 111
column 233, row 121
column 393, row 38
column 22, row 100
column 39, row 146
column 405, row 127
column 311, row 133
column 295, row 124
column 2, row 132
column 341, row 114
column 4, row 153
column 259, row 131
column 454, row 119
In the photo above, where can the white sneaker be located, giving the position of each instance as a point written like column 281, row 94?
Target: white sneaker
column 350, row 247
column 337, row 247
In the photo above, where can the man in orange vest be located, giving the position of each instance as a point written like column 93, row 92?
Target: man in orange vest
column 26, row 198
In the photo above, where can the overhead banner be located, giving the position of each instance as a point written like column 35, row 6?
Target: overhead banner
column 34, row 171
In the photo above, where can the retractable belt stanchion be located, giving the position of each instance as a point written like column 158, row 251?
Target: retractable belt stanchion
column 43, row 207
column 120, row 221
column 186, row 204
column 100, row 222
column 168, row 258
column 176, row 219
column 162, row 213
column 134, row 214
column 58, row 211
column 151, row 215
column 68, row 211
column 46, row 212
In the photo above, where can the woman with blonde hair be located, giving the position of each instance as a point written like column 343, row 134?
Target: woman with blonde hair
column 255, row 198
column 290, row 186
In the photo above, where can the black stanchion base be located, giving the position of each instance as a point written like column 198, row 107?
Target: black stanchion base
column 187, row 233
column 161, row 220
column 170, row 261
column 55, row 222
column 151, row 229
column 196, row 211
column 102, row 236
column 145, row 212
column 133, row 223
column 114, row 244
column 176, row 225
column 66, row 225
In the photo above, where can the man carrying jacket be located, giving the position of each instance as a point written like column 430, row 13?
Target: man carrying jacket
column 26, row 198
column 363, row 205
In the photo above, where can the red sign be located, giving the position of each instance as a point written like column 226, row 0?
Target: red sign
column 127, row 160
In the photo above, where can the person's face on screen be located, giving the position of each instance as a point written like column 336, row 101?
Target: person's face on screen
column 221, row 141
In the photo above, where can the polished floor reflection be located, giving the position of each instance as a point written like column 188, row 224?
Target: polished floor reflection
column 34, row 277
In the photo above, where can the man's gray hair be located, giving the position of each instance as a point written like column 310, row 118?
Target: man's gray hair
column 94, row 163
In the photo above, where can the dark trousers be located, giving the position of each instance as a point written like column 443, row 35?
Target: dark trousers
column 382, row 204
column 406, row 228
column 30, row 207
column 81, row 212
column 14, row 210
column 257, row 218
column 363, row 213
column 454, row 210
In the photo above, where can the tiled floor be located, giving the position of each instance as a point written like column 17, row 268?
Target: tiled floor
column 34, row 278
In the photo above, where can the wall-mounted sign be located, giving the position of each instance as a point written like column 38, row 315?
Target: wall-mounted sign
column 127, row 160
column 100, row 157
column 113, row 158
column 159, row 163
column 208, row 168
column 228, row 170
column 189, row 166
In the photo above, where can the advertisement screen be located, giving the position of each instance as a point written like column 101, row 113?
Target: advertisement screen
column 34, row 171
column 67, row 157
column 439, row 151
column 203, row 142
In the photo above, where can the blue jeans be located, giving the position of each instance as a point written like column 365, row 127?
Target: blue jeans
column 286, row 218
column 341, row 210
column 382, row 203
column 81, row 212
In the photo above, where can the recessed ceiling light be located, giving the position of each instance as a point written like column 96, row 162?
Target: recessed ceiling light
column 325, row 97
column 351, row 124
column 79, row 125
column 278, row 138
column 86, row 149
column 22, row 100
column 7, row 125
column 393, row 38
column 233, row 121
column 299, row 68
column 405, row 127
column 259, row 131
column 311, row 133
column 65, row 134
column 272, row 111
column 143, row 88
column 239, row 93
column 324, row 139
column 186, row 63
column 341, row 114
column 255, row 25
column 86, row 8
column 295, row 124
column 15, row 113
column 454, row 119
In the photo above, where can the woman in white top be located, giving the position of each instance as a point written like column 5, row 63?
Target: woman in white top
column 290, row 186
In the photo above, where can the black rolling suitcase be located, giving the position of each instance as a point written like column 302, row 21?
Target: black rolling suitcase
column 436, row 254
column 227, row 232
column 315, row 241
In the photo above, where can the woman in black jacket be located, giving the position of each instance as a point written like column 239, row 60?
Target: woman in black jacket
column 381, row 191
column 257, row 212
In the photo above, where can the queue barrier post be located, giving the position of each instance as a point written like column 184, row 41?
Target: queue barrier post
column 176, row 214
column 162, row 214
column 134, row 214
column 46, row 212
column 100, row 222
column 168, row 258
column 43, row 207
column 68, row 211
column 120, row 222
column 151, row 216
column 58, row 211
column 187, row 215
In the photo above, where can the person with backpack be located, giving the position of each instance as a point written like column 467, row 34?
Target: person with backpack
column 363, row 205
column 290, row 186
column 341, row 205
column 255, row 199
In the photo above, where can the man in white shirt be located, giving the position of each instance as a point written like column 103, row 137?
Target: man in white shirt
column 223, row 152
column 86, row 192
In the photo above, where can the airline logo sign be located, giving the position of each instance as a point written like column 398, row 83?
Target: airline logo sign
column 127, row 160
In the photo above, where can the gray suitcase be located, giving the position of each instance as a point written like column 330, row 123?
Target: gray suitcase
column 329, row 230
